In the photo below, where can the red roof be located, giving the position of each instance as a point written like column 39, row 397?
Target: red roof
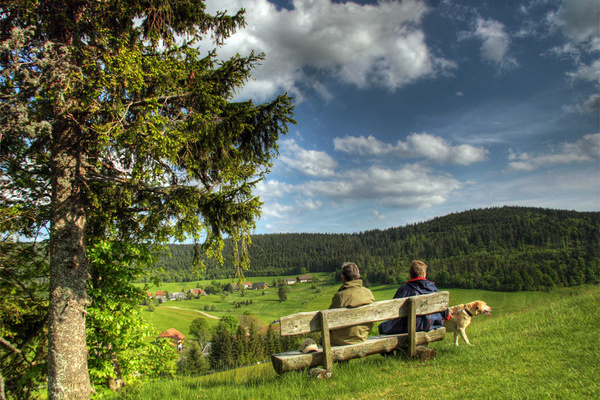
column 161, row 293
column 173, row 334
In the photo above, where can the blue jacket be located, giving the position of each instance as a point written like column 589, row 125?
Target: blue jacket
column 424, row 322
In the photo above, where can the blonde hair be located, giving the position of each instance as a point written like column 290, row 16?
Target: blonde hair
column 418, row 269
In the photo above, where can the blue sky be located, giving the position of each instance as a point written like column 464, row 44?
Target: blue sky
column 408, row 110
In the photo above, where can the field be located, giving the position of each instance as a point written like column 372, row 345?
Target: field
column 535, row 346
column 265, row 303
column 302, row 297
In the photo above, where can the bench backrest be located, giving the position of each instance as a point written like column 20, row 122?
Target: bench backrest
column 306, row 322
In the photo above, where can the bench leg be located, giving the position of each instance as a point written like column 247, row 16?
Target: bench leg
column 412, row 327
column 327, row 356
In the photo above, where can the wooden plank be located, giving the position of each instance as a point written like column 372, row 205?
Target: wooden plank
column 327, row 356
column 295, row 360
column 305, row 322
column 411, row 326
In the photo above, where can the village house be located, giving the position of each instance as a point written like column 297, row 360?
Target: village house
column 259, row 285
column 175, row 336
column 245, row 285
column 196, row 292
column 177, row 296
column 304, row 278
column 161, row 296
column 289, row 281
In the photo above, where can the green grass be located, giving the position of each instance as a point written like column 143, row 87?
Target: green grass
column 536, row 346
column 301, row 297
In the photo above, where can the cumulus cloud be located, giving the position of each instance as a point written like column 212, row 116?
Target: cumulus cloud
column 588, row 73
column 309, row 162
column 412, row 187
column 577, row 19
column 273, row 189
column 495, row 42
column 431, row 147
column 585, row 149
column 379, row 45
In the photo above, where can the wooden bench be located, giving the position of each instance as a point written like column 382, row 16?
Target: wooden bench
column 326, row 320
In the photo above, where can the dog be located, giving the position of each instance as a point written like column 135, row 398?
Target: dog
column 460, row 318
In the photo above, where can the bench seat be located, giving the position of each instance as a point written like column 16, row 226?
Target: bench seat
column 295, row 360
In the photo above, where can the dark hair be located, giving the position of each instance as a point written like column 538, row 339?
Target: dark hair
column 418, row 269
column 350, row 271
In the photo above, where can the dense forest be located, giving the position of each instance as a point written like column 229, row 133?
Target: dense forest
column 507, row 248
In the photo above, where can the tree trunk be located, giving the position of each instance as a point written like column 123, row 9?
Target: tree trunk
column 67, row 351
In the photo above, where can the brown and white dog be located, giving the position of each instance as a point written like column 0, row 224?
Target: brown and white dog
column 460, row 318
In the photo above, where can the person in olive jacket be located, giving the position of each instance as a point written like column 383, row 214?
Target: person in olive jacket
column 418, row 284
column 351, row 294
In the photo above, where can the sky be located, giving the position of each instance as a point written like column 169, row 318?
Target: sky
column 410, row 110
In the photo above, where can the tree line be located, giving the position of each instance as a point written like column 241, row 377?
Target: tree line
column 505, row 248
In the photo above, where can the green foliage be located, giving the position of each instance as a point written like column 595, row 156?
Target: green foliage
column 113, row 117
column 282, row 293
column 200, row 329
column 117, row 333
column 192, row 362
column 231, row 322
column 23, row 309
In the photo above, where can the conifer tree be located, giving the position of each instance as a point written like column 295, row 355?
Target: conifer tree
column 115, row 125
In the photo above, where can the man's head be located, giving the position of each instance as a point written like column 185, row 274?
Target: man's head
column 350, row 272
column 418, row 269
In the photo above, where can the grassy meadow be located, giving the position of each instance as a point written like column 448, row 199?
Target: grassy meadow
column 536, row 345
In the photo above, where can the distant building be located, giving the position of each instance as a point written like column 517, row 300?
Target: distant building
column 304, row 278
column 196, row 292
column 259, row 285
column 177, row 296
column 173, row 334
column 289, row 281
column 161, row 296
column 245, row 285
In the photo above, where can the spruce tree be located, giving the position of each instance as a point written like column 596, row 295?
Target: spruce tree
column 115, row 126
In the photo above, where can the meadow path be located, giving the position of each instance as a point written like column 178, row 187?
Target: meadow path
column 198, row 311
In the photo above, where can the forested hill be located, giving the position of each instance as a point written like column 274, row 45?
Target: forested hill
column 508, row 248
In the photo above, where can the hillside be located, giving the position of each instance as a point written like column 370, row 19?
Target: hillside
column 535, row 346
column 507, row 248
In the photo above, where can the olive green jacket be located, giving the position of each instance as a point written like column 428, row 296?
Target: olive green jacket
column 351, row 294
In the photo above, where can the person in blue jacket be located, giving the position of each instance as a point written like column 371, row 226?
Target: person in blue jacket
column 418, row 284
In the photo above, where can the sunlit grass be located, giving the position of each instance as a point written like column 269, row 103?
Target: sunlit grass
column 537, row 346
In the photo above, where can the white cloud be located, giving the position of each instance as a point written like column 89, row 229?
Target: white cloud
column 495, row 42
column 577, row 19
column 585, row 149
column 309, row 162
column 434, row 148
column 276, row 210
column 588, row 73
column 411, row 186
column 273, row 189
column 378, row 45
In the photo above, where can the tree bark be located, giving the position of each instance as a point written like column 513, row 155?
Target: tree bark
column 68, row 377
